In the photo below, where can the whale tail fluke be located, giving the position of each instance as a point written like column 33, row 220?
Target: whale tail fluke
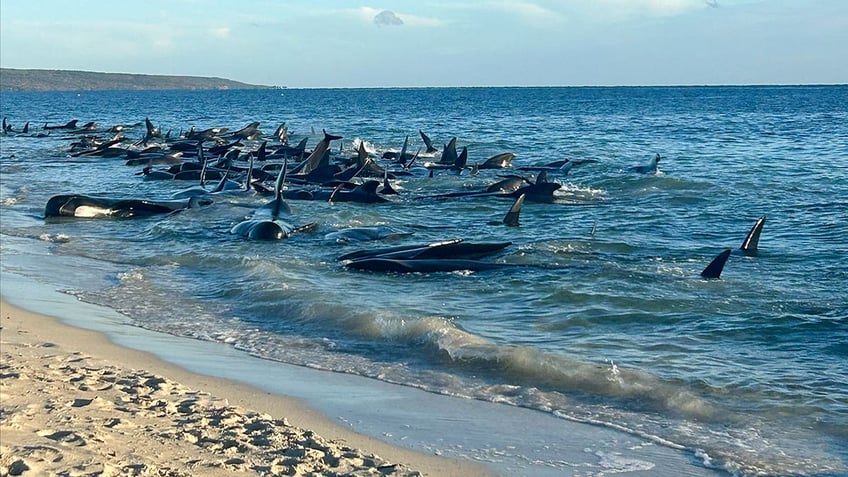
column 714, row 269
column 330, row 137
column 427, row 142
column 752, row 240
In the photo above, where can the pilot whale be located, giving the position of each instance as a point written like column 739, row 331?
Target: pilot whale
column 85, row 206
column 456, row 248
column 649, row 168
column 362, row 234
column 422, row 265
column 265, row 223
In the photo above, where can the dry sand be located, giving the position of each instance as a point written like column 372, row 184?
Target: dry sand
column 72, row 403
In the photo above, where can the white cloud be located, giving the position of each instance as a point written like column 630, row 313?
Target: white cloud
column 387, row 18
column 370, row 15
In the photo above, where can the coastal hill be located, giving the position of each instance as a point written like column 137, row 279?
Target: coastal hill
column 66, row 80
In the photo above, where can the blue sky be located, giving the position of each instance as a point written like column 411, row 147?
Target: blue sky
column 394, row 43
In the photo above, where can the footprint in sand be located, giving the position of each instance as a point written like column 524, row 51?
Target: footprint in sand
column 42, row 453
column 69, row 438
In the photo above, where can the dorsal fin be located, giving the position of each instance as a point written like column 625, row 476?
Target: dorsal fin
column 151, row 130
column 362, row 154
column 542, row 177
column 752, row 240
column 260, row 156
column 223, row 182
column 511, row 218
column 301, row 146
column 462, row 159
column 279, row 203
column 202, row 160
column 403, row 149
column 449, row 153
column 387, row 187
column 715, row 267
column 281, row 179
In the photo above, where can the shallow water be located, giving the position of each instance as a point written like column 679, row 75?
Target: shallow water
column 613, row 327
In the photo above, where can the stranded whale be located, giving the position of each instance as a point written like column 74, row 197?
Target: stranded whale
column 84, row 206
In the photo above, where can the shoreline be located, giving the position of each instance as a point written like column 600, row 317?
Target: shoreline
column 427, row 432
column 45, row 360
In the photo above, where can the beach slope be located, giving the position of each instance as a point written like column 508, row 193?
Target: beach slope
column 73, row 403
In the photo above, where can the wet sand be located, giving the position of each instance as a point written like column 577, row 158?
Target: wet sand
column 73, row 403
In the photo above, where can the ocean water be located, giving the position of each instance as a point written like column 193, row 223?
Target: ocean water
column 607, row 321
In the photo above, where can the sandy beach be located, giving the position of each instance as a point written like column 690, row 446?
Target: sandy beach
column 73, row 403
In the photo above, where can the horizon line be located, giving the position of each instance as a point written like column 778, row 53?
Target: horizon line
column 281, row 87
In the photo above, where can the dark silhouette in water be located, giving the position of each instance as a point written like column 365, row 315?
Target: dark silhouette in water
column 715, row 267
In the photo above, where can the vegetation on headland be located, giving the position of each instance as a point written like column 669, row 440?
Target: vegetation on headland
column 66, row 80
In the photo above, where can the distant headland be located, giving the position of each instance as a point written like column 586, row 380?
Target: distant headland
column 67, row 80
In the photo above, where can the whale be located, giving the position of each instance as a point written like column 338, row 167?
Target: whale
column 365, row 193
column 251, row 131
column 752, row 240
column 105, row 148
column 263, row 229
column 649, row 168
column 150, row 133
column 72, row 124
column 204, row 135
column 498, row 161
column 540, row 191
column 289, row 151
column 455, row 248
column 714, row 269
column 363, row 167
column 90, row 126
column 364, row 234
column 449, row 155
column 282, row 133
column 421, row 265
column 402, row 157
column 503, row 188
column 265, row 223
column 86, row 206
column 316, row 158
